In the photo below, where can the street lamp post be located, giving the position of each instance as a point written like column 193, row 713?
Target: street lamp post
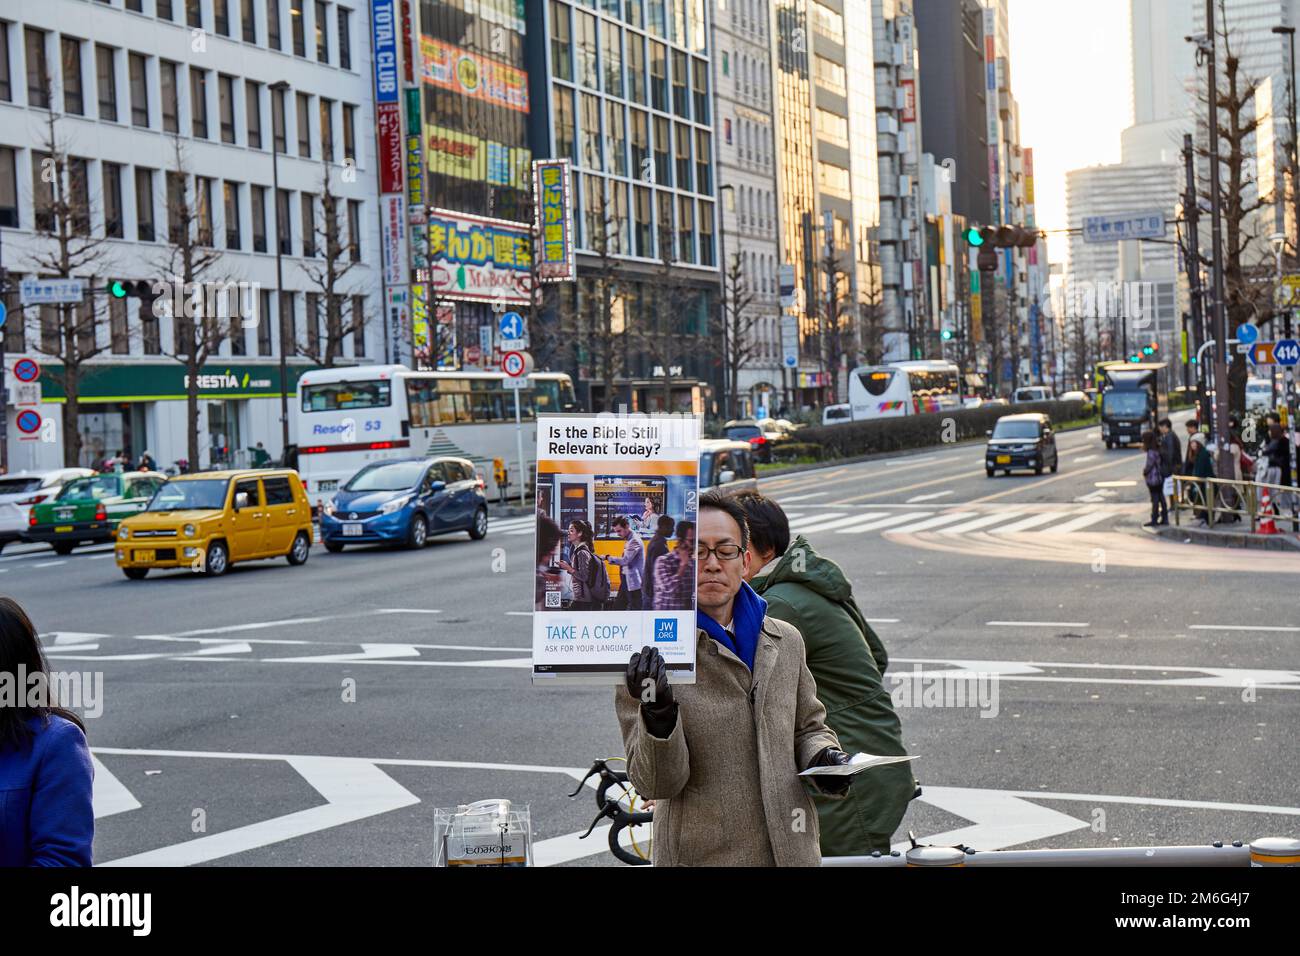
column 1219, row 315
column 727, row 398
column 278, row 90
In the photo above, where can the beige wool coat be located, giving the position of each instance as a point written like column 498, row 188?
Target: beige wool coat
column 725, row 781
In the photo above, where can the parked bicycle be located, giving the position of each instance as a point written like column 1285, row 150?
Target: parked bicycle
column 618, row 800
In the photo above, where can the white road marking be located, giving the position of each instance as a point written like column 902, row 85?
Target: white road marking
column 1243, row 627
column 1035, row 623
column 934, row 522
column 519, row 613
column 885, row 522
column 786, row 499
column 998, row 819
column 920, row 498
column 833, row 522
column 881, row 620
column 1081, row 459
column 796, row 524
column 368, row 652
column 982, row 522
column 49, row 564
column 407, row 610
column 1032, row 521
column 908, row 461
column 1114, row 484
column 1075, row 524
column 1036, row 672
column 109, row 795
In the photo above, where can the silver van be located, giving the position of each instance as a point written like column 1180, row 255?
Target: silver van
column 727, row 465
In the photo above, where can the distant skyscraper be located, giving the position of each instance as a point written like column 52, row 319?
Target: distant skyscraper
column 1164, row 69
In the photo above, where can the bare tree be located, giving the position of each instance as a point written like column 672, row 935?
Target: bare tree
column 659, row 335
column 872, row 322
column 599, row 306
column 64, row 249
column 740, row 325
column 195, row 306
column 328, row 277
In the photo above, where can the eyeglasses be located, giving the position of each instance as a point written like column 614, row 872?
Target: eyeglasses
column 725, row 552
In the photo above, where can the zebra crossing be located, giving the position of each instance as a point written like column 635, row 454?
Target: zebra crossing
column 1003, row 520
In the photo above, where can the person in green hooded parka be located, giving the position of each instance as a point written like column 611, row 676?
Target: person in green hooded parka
column 848, row 661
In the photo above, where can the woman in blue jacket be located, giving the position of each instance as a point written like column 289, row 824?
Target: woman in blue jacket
column 46, row 813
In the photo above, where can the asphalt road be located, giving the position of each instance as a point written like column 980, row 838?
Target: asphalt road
column 1137, row 690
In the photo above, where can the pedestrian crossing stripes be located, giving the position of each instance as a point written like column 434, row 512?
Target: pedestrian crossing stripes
column 1011, row 521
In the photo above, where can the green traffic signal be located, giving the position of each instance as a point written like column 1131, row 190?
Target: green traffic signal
column 973, row 237
column 116, row 289
column 946, row 335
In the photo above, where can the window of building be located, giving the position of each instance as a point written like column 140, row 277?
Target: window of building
column 264, row 322
column 349, row 132
column 257, row 197
column 308, row 224
column 589, row 132
column 832, row 127
column 664, row 226
column 612, row 55
column 221, row 16
column 6, row 85
column 73, row 94
column 79, row 195
column 597, row 234
column 561, row 42
column 358, row 326
column 283, row 228
column 642, row 225
column 112, row 200
column 226, row 103
column 832, row 178
column 659, row 76
column 194, row 13
column 203, row 202
column 656, row 18
column 681, row 80
column 170, row 97
column 828, row 73
column 118, row 338
column 586, row 49
column 277, row 121
column 253, row 113
column 273, row 24
column 144, row 230
column 703, row 162
column 564, row 131
column 303, row 102
column 686, row 229
column 230, row 193
column 299, row 28
column 38, row 88
column 163, row 9
column 248, row 21
column 662, row 173
column 322, row 33
column 311, row 320
column 327, row 128
column 827, row 22
column 199, row 102
column 106, row 79
column 706, row 233
column 636, row 86
column 42, row 192
column 177, row 209
column 287, row 332
column 139, row 90
column 615, row 138
column 354, row 230
column 683, row 135
column 345, row 40
column 640, row 143
column 700, row 87
column 8, row 187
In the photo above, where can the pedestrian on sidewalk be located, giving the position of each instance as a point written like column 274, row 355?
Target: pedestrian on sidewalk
column 1202, row 469
column 721, row 757
column 631, row 566
column 1171, row 461
column 1155, row 482
column 847, row 659
column 46, row 812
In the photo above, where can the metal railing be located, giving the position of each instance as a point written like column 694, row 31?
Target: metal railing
column 1211, row 499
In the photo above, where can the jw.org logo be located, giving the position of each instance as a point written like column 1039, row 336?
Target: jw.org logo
column 665, row 630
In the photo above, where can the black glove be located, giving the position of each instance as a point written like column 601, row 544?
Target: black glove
column 831, row 757
column 647, row 681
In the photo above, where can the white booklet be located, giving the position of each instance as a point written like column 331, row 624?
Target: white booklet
column 857, row 763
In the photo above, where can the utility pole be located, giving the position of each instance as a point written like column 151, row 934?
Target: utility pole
column 1294, row 157
column 1192, row 256
column 1218, row 316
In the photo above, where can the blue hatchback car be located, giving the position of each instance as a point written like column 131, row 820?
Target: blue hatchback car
column 404, row 501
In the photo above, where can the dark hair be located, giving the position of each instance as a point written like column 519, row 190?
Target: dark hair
column 1148, row 441
column 664, row 525
column 769, row 528
column 620, row 521
column 683, row 527
column 585, row 531
column 1273, row 415
column 1275, row 432
column 1166, row 423
column 19, row 648
column 729, row 506
column 548, row 536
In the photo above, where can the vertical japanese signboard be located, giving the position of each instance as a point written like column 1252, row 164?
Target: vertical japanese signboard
column 392, row 211
column 551, row 186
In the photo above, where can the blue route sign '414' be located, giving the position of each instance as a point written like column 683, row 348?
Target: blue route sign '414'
column 1287, row 352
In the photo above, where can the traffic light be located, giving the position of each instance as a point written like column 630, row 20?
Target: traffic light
column 1135, row 358
column 973, row 237
column 947, row 335
column 989, row 238
column 130, row 288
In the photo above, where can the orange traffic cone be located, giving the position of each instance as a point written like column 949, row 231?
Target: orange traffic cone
column 1266, row 525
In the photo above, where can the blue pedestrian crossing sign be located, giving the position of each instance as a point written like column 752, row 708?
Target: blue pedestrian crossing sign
column 512, row 326
column 1287, row 352
column 4, row 314
column 1247, row 334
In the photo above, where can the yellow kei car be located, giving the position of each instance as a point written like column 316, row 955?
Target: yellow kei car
column 211, row 520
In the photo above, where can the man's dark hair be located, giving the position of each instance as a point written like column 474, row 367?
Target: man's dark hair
column 1273, row 418
column 664, row 525
column 729, row 506
column 683, row 528
column 769, row 528
column 1166, row 423
column 620, row 521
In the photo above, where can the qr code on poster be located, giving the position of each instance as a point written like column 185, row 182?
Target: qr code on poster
column 553, row 599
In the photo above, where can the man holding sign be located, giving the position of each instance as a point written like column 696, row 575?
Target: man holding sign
column 721, row 757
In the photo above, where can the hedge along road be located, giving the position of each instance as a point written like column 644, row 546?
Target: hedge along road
column 936, row 459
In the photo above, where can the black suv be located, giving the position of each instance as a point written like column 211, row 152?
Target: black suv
column 1021, row 441
column 748, row 430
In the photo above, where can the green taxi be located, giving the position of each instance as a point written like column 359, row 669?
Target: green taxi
column 87, row 510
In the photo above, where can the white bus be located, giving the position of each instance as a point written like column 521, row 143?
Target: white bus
column 349, row 417
column 904, row 388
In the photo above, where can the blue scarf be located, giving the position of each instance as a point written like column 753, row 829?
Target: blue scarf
column 747, row 613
